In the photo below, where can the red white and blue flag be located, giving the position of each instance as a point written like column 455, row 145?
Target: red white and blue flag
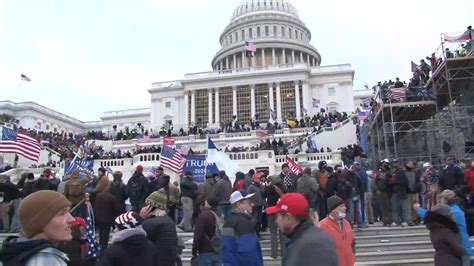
column 397, row 94
column 19, row 143
column 25, row 78
column 172, row 159
column 250, row 46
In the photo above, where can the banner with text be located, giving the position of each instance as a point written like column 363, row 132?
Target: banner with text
column 196, row 164
column 86, row 166
column 294, row 167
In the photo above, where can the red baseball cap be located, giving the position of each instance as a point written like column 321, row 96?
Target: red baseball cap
column 292, row 203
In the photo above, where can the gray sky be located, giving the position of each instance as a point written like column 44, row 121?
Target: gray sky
column 90, row 56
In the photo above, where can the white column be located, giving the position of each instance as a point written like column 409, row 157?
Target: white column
column 263, row 57
column 273, row 56
column 186, row 108
column 220, row 65
column 217, row 122
column 226, row 62
column 307, row 101
column 252, row 100
column 234, row 100
column 283, row 55
column 307, row 60
column 254, row 59
column 293, row 56
column 243, row 60
column 301, row 57
column 297, row 99
column 235, row 61
column 209, row 99
column 278, row 94
column 270, row 96
column 314, row 61
column 193, row 107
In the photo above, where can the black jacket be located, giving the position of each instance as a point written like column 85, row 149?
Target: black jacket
column 130, row 247
column 43, row 184
column 271, row 194
column 188, row 188
column 446, row 240
column 107, row 207
column 119, row 190
column 16, row 251
column 9, row 190
column 452, row 177
column 399, row 182
column 309, row 244
column 293, row 180
column 138, row 178
column 161, row 231
column 222, row 190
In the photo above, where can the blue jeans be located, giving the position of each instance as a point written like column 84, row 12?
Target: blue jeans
column 15, row 226
column 354, row 205
column 209, row 259
column 224, row 209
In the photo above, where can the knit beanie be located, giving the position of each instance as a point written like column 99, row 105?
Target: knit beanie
column 37, row 210
column 128, row 220
column 158, row 199
column 334, row 202
column 213, row 202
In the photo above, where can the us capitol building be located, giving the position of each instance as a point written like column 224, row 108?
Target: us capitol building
column 284, row 75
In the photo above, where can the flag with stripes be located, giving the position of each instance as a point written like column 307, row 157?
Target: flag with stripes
column 363, row 114
column 94, row 247
column 19, row 143
column 397, row 94
column 250, row 46
column 366, row 101
column 172, row 159
column 316, row 103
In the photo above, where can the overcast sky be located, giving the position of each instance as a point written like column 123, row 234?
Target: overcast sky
column 89, row 56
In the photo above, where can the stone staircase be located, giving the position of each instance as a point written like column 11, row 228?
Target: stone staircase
column 376, row 245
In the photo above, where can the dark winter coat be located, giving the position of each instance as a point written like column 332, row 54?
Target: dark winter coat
column 293, row 178
column 204, row 230
column 188, row 188
column 9, row 190
column 452, row 177
column 271, row 193
column 17, row 251
column 130, row 247
column 257, row 189
column 161, row 231
column 206, row 190
column 119, row 190
column 223, row 190
column 309, row 244
column 399, row 183
column 107, row 207
column 140, row 179
column 446, row 240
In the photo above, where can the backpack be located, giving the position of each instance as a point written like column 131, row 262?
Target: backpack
column 216, row 238
column 343, row 189
column 75, row 187
column 135, row 190
column 303, row 186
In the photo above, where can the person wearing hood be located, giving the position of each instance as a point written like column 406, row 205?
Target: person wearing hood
column 119, row 190
column 205, row 229
column 444, row 235
column 9, row 193
column 449, row 198
column 46, row 222
column 137, row 189
column 338, row 227
column 272, row 194
column 257, row 201
column 129, row 244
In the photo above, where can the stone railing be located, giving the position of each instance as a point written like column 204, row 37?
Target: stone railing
column 114, row 162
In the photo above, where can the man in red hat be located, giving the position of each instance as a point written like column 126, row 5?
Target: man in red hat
column 308, row 243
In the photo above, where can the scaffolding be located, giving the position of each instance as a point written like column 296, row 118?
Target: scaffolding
column 428, row 130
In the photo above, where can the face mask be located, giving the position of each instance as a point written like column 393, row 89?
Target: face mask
column 341, row 215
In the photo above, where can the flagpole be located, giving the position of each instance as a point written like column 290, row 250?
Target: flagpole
column 207, row 154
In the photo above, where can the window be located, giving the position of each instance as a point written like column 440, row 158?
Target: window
column 266, row 30
column 242, row 36
column 250, row 33
column 331, row 91
column 282, row 30
column 168, row 104
column 274, row 30
column 301, row 35
column 236, row 37
column 231, row 40
column 47, row 127
column 289, row 33
column 258, row 31
column 296, row 34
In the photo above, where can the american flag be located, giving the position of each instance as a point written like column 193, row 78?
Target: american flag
column 362, row 114
column 250, row 46
column 19, row 143
column 316, row 102
column 94, row 247
column 172, row 159
column 397, row 94
column 25, row 78
column 304, row 110
column 366, row 101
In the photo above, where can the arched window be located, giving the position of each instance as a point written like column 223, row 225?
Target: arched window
column 236, row 37
column 296, row 34
column 275, row 30
column 290, row 33
column 242, row 35
column 282, row 30
column 250, row 33
column 266, row 30
column 258, row 31
column 231, row 40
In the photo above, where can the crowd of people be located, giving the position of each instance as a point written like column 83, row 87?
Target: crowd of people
column 227, row 218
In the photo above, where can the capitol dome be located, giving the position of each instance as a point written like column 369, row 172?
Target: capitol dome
column 274, row 26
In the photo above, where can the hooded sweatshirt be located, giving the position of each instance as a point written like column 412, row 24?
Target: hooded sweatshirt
column 130, row 247
column 20, row 251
